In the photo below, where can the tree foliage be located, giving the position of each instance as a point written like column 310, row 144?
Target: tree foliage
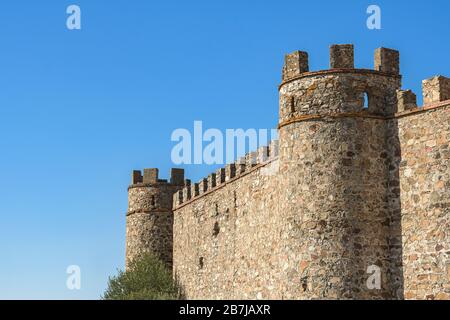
column 147, row 278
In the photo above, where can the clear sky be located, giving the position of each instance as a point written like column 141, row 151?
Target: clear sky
column 80, row 109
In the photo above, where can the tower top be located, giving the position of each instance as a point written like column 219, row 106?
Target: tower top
column 151, row 177
column 342, row 57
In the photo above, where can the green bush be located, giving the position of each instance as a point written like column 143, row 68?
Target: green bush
column 147, row 278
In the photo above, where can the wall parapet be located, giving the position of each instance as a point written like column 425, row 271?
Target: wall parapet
column 296, row 64
column 230, row 173
column 150, row 178
column 435, row 89
column 435, row 92
column 425, row 108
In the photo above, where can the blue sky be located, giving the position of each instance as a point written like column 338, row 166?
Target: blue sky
column 79, row 110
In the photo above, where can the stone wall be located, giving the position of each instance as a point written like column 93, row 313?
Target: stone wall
column 312, row 234
column 334, row 208
column 150, row 233
column 227, row 239
column 425, row 202
column 348, row 187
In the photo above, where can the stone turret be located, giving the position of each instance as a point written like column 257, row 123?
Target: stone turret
column 150, row 216
column 331, row 140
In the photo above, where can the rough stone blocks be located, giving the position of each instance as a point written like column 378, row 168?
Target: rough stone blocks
column 387, row 60
column 295, row 64
column 342, row 56
column 407, row 100
column 436, row 89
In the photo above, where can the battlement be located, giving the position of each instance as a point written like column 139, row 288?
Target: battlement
column 406, row 100
column 227, row 174
column 296, row 64
column 342, row 89
column 342, row 56
column 434, row 91
column 151, row 177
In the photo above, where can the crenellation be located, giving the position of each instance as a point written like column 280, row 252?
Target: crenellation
column 251, row 159
column 295, row 64
column 436, row 89
column 136, row 177
column 187, row 190
column 175, row 198
column 179, row 197
column 151, row 176
column 212, row 180
column 387, row 60
column 342, row 56
column 220, row 176
column 177, row 176
column 230, row 171
column 274, row 148
column 195, row 190
column 406, row 100
column 234, row 170
column 203, row 186
column 262, row 154
column 240, row 166
column 186, row 194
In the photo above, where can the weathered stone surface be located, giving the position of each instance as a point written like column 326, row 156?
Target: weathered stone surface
column 407, row 100
column 342, row 56
column 150, row 216
column 150, row 232
column 424, row 180
column 436, row 89
column 345, row 188
column 295, row 64
column 387, row 60
column 338, row 92
column 233, row 232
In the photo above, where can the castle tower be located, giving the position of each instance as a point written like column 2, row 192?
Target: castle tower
column 150, row 218
column 336, row 185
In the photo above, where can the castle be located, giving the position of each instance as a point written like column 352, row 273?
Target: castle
column 350, row 188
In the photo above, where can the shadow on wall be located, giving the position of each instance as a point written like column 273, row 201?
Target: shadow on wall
column 395, row 274
column 372, row 231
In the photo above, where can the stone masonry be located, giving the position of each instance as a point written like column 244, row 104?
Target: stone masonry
column 348, row 187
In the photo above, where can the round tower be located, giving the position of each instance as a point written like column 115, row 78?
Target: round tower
column 335, row 176
column 149, row 225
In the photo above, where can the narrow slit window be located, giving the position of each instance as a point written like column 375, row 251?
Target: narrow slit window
column 366, row 101
column 292, row 104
